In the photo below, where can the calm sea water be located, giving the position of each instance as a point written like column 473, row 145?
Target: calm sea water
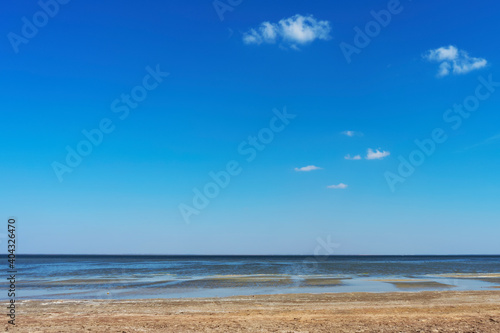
column 42, row 276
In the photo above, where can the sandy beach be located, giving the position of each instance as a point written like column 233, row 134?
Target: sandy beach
column 428, row 311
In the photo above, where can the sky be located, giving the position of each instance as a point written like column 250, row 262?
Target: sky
column 251, row 127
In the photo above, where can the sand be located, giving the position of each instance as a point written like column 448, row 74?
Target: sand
column 428, row 311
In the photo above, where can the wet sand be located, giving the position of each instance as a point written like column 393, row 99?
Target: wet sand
column 415, row 283
column 487, row 277
column 428, row 311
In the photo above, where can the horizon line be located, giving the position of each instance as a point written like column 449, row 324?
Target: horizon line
column 251, row 255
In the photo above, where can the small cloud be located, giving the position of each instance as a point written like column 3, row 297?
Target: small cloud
column 453, row 60
column 340, row 186
column 292, row 31
column 348, row 133
column 376, row 155
column 308, row 168
column 351, row 133
column 349, row 157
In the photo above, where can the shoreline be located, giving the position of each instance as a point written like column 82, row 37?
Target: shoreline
column 427, row 311
column 248, row 285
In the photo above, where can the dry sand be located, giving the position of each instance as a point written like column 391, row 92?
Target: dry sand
column 436, row 311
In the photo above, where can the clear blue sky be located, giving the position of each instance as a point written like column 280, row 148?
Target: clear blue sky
column 224, row 81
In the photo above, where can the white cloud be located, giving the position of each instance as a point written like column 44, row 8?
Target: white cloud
column 265, row 33
column 351, row 133
column 453, row 60
column 340, row 186
column 292, row 31
column 348, row 133
column 443, row 53
column 376, row 154
column 349, row 157
column 308, row 168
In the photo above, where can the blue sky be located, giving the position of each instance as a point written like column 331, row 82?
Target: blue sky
column 224, row 81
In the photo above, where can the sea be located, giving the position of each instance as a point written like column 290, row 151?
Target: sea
column 152, row 276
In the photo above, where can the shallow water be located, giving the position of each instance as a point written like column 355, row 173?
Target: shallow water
column 211, row 276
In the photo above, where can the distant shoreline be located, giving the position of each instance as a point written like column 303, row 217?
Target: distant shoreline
column 256, row 255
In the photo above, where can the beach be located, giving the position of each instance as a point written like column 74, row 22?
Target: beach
column 257, row 294
column 426, row 311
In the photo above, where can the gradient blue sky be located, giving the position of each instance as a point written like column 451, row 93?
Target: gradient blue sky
column 124, row 196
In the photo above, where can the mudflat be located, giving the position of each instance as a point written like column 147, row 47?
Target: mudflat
column 427, row 311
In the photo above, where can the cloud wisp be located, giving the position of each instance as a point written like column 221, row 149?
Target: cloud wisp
column 293, row 31
column 351, row 133
column 454, row 61
column 340, row 186
column 352, row 158
column 371, row 154
column 491, row 139
column 307, row 168
column 376, row 154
